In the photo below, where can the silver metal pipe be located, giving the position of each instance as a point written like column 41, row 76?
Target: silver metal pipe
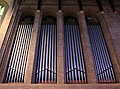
column 94, row 51
column 55, row 56
column 77, row 52
column 16, row 70
column 80, row 54
column 18, row 61
column 39, row 56
column 15, row 62
column 11, row 74
column 70, row 71
column 44, row 52
column 102, row 52
column 103, row 62
column 11, row 58
column 47, row 54
column 27, row 43
column 74, row 55
column 71, row 56
column 95, row 54
column 73, row 51
column 50, row 55
column 23, row 52
column 99, row 54
column 98, row 51
column 52, row 64
column 102, row 55
column 19, row 41
column 106, row 53
column 41, row 53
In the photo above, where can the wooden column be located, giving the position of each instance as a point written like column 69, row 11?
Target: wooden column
column 88, row 56
column 6, row 28
column 60, row 49
column 32, row 55
column 8, row 46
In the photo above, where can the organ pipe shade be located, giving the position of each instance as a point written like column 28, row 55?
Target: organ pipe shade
column 75, row 66
column 102, row 61
column 47, row 55
column 18, row 58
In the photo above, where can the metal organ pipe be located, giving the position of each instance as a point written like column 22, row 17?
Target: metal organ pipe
column 75, row 68
column 47, row 55
column 55, row 56
column 18, row 58
column 102, row 60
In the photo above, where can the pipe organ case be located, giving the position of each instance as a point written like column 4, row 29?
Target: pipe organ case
column 103, row 65
column 47, row 56
column 75, row 66
column 18, row 58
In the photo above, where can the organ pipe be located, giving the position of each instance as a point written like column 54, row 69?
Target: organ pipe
column 103, row 65
column 47, row 56
column 75, row 67
column 18, row 58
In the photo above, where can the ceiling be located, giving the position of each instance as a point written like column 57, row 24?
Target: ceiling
column 116, row 2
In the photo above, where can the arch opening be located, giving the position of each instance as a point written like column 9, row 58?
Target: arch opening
column 47, row 56
column 102, row 60
column 18, row 57
column 75, row 66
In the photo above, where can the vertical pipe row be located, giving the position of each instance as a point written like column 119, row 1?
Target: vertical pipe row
column 102, row 60
column 75, row 68
column 46, row 68
column 19, row 53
